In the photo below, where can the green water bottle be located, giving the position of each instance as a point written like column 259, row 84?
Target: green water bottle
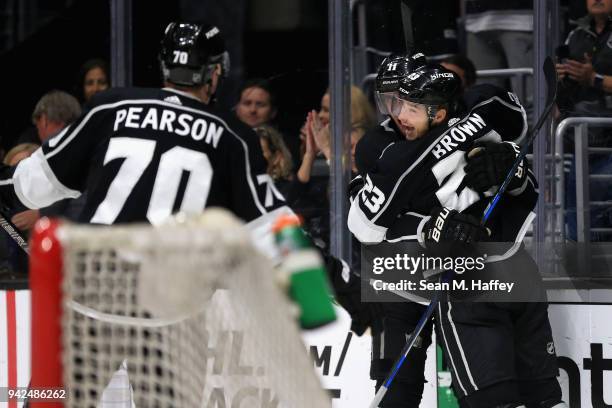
column 308, row 283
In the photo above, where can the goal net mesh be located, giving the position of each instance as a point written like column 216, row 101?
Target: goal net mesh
column 185, row 315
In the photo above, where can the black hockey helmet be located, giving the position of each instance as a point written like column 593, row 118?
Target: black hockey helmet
column 431, row 84
column 391, row 71
column 395, row 67
column 190, row 51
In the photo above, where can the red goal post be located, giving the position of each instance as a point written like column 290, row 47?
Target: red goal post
column 45, row 286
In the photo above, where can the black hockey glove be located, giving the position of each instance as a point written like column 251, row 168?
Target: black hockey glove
column 450, row 233
column 488, row 164
column 347, row 290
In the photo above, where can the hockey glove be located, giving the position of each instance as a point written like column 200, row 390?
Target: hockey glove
column 488, row 164
column 347, row 289
column 450, row 233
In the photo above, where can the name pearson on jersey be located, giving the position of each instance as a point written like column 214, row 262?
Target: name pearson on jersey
column 183, row 124
column 458, row 134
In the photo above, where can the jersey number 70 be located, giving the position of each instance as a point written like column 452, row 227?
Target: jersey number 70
column 138, row 154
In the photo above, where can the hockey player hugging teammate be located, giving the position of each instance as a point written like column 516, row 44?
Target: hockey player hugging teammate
column 441, row 157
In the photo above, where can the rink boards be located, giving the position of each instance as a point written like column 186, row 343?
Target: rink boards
column 582, row 333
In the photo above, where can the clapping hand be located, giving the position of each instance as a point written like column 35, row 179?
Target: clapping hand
column 320, row 133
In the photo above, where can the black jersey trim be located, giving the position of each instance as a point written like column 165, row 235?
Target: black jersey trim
column 402, row 238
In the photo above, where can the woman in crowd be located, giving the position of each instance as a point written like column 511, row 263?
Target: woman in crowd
column 277, row 155
column 310, row 189
column 93, row 78
column 362, row 118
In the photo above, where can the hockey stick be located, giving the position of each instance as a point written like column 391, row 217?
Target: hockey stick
column 13, row 232
column 550, row 76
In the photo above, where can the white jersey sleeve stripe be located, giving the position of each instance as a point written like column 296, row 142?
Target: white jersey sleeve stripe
column 35, row 184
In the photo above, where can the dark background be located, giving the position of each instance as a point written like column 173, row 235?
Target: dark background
column 43, row 43
column 55, row 37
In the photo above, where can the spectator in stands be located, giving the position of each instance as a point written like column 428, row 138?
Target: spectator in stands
column 19, row 152
column 323, row 113
column 309, row 193
column 499, row 34
column 93, row 78
column 362, row 118
column 52, row 112
column 257, row 105
column 586, row 90
column 586, row 70
column 277, row 155
column 462, row 66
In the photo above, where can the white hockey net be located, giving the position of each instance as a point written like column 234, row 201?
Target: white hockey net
column 192, row 310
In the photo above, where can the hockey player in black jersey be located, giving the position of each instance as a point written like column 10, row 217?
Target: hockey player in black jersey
column 144, row 154
column 501, row 355
column 389, row 322
column 374, row 142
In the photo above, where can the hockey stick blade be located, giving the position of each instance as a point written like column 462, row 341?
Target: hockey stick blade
column 550, row 75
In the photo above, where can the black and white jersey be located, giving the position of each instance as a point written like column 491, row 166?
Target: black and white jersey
column 412, row 177
column 144, row 154
column 373, row 143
